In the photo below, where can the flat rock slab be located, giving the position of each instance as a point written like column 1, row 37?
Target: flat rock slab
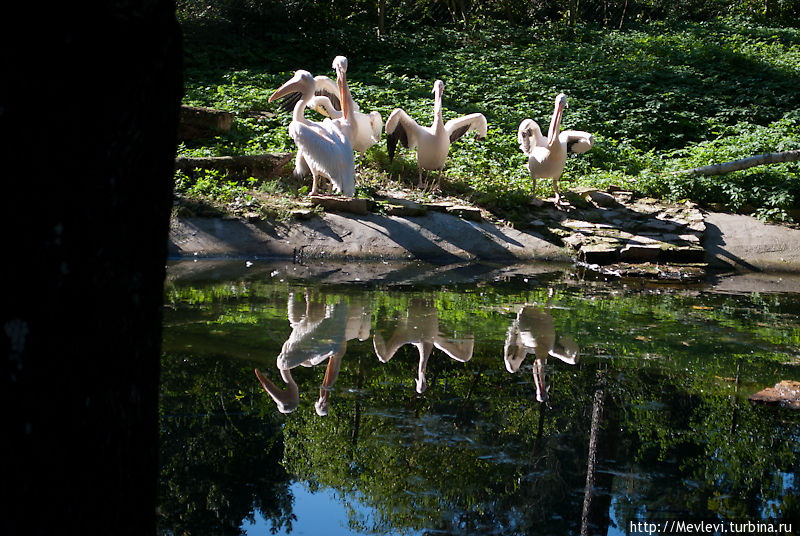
column 404, row 207
column 636, row 231
column 747, row 244
column 785, row 394
column 609, row 228
column 198, row 122
column 436, row 238
column 331, row 203
column 468, row 213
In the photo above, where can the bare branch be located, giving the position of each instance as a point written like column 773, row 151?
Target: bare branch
column 744, row 163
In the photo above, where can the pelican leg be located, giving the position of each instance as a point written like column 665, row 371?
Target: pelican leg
column 315, row 181
column 558, row 194
column 421, row 184
column 437, row 185
column 536, row 201
column 540, row 380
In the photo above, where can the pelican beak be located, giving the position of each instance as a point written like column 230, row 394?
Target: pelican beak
column 552, row 135
column 293, row 85
column 341, row 81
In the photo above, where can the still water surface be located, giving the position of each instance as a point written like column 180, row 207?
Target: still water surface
column 534, row 403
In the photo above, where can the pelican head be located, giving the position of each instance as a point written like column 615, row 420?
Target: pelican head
column 340, row 64
column 561, row 100
column 302, row 82
column 438, row 88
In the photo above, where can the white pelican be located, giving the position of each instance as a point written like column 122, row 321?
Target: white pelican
column 322, row 148
column 369, row 126
column 326, row 101
column 547, row 156
column 432, row 143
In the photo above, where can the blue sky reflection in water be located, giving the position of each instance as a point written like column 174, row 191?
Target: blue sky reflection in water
column 538, row 402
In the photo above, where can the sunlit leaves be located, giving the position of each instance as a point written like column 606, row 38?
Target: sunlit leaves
column 710, row 91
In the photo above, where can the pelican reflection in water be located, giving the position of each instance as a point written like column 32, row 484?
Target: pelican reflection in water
column 320, row 332
column 533, row 332
column 420, row 327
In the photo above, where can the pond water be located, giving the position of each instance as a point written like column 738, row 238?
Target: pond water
column 538, row 401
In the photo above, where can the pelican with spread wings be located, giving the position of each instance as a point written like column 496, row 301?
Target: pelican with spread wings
column 547, row 156
column 433, row 142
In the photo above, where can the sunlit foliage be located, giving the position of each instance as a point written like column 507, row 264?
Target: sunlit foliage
column 658, row 96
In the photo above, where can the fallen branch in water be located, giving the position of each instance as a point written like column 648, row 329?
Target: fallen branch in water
column 744, row 163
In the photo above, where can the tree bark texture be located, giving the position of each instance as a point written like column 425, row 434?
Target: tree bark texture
column 94, row 120
column 381, row 16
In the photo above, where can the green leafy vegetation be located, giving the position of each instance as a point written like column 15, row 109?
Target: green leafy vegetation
column 659, row 95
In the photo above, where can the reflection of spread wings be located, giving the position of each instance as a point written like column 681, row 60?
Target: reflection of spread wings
column 420, row 328
column 533, row 332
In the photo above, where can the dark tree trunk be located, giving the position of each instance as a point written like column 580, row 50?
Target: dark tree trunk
column 573, row 8
column 90, row 97
column 381, row 16
column 595, row 518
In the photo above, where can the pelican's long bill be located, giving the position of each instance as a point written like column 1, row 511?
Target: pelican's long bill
column 340, row 81
column 555, row 122
column 340, row 66
column 296, row 84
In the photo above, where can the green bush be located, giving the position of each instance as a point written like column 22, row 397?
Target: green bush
column 658, row 97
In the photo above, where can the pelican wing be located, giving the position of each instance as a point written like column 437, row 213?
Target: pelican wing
column 376, row 122
column 577, row 141
column 514, row 352
column 456, row 128
column 327, row 151
column 401, row 127
column 323, row 87
column 529, row 136
column 458, row 349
